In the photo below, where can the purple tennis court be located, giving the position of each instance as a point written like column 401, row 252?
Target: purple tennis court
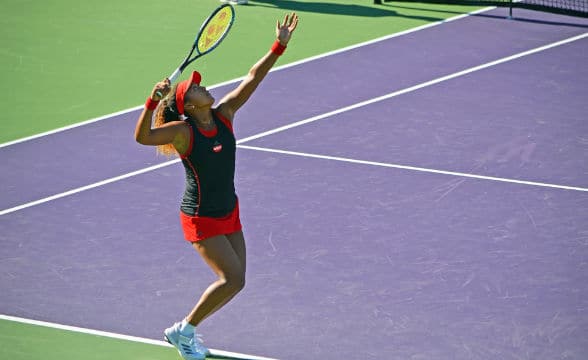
column 420, row 197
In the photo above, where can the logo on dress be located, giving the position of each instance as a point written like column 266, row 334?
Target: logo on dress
column 217, row 147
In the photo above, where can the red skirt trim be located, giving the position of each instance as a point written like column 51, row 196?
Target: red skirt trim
column 197, row 228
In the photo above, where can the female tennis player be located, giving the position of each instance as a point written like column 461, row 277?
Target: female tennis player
column 187, row 124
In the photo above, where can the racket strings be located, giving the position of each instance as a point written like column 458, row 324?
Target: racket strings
column 215, row 30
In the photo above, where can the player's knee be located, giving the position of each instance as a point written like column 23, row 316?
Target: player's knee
column 235, row 281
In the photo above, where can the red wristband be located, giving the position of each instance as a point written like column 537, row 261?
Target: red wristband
column 278, row 48
column 151, row 104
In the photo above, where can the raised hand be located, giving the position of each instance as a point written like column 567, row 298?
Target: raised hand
column 284, row 31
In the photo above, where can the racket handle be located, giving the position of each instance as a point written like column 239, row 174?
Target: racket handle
column 173, row 77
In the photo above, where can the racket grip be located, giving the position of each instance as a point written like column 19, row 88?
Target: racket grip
column 173, row 77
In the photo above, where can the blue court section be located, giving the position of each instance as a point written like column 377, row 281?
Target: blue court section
column 345, row 260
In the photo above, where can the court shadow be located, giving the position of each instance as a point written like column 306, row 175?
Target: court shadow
column 406, row 5
column 398, row 5
column 533, row 21
column 334, row 9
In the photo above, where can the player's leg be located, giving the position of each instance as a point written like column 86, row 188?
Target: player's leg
column 237, row 241
column 219, row 254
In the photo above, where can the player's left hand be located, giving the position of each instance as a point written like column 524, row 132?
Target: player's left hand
column 284, row 31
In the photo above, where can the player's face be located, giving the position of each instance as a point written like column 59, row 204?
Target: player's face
column 198, row 96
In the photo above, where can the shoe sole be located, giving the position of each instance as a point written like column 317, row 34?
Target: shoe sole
column 172, row 344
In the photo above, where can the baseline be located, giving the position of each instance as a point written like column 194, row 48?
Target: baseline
column 213, row 352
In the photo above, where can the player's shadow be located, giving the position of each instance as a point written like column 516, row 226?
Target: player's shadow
column 335, row 9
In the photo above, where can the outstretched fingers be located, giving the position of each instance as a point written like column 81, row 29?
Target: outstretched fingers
column 284, row 30
column 290, row 22
column 293, row 22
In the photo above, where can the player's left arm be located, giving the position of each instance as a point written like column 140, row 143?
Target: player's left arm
column 229, row 105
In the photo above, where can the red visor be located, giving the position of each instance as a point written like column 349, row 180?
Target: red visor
column 182, row 89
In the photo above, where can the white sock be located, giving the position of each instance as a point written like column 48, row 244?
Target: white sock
column 186, row 328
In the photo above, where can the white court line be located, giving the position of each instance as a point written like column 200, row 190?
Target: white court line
column 278, row 68
column 309, row 120
column 412, row 168
column 213, row 352
column 419, row 86
column 88, row 187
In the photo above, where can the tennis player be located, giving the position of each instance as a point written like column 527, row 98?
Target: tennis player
column 187, row 124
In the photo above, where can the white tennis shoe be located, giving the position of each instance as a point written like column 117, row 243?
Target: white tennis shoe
column 190, row 347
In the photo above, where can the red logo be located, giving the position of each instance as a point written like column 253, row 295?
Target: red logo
column 217, row 147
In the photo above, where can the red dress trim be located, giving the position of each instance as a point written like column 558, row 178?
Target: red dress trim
column 198, row 228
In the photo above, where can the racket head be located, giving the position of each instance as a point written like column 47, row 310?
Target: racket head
column 214, row 29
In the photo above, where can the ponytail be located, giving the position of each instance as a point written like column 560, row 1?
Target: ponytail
column 167, row 111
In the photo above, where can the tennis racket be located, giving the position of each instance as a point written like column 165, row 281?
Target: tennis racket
column 212, row 32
